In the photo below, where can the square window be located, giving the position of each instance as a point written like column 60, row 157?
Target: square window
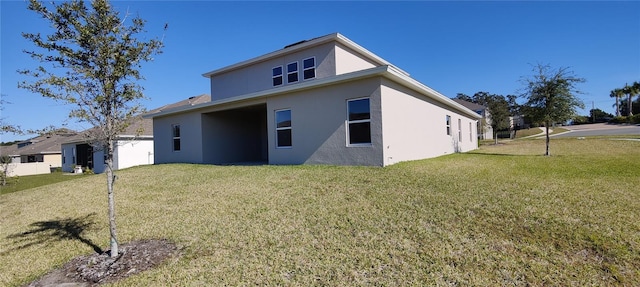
column 277, row 71
column 283, row 128
column 277, row 81
column 359, row 121
column 360, row 133
column 284, row 138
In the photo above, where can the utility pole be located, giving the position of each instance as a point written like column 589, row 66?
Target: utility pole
column 593, row 113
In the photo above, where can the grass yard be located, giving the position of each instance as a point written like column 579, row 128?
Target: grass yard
column 26, row 182
column 502, row 215
column 537, row 131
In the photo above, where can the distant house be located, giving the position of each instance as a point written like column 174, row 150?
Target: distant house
column 485, row 131
column 37, row 155
column 322, row 101
column 133, row 147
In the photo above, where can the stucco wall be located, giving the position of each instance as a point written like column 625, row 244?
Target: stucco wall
column 258, row 77
column 414, row 126
column 130, row 153
column 54, row 160
column 348, row 61
column 319, row 125
column 98, row 160
column 190, row 138
column 29, row 168
column 68, row 152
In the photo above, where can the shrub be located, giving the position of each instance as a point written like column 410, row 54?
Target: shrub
column 618, row 120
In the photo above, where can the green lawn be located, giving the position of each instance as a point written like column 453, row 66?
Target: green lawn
column 26, row 182
column 502, row 215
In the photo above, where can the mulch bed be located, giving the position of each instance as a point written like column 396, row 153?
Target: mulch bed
column 95, row 269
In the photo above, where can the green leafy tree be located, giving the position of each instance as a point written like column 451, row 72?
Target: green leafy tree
column 599, row 116
column 464, row 97
column 499, row 113
column 551, row 96
column 92, row 60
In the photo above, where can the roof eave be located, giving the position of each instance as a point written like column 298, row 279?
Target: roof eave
column 433, row 94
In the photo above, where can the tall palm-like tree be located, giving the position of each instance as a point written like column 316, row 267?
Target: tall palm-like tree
column 631, row 91
column 617, row 93
column 635, row 89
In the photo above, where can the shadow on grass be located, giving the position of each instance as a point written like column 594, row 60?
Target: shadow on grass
column 56, row 230
column 504, row 154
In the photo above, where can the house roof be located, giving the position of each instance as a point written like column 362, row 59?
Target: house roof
column 304, row 45
column 44, row 144
column 386, row 71
column 191, row 101
column 141, row 126
column 470, row 105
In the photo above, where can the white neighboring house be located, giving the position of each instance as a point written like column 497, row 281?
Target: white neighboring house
column 133, row 147
column 485, row 131
column 322, row 101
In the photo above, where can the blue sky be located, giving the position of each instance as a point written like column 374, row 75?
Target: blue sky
column 452, row 47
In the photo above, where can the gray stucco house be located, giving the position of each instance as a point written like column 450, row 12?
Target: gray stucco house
column 322, row 101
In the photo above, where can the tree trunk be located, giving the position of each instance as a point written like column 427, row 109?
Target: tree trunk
column 546, row 126
column 630, row 106
column 112, row 204
column 617, row 107
column 495, row 136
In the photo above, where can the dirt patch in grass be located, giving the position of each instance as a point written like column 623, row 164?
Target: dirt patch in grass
column 96, row 269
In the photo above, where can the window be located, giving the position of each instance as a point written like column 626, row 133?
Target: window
column 63, row 157
column 277, row 76
column 176, row 137
column 309, row 68
column 283, row 128
column 470, row 133
column 359, row 121
column 459, row 130
column 448, row 125
column 292, row 72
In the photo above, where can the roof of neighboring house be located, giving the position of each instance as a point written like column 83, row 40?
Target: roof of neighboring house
column 389, row 72
column 45, row 144
column 141, row 126
column 11, row 150
column 470, row 105
column 191, row 101
column 304, row 45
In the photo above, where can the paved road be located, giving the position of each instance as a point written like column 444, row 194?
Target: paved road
column 599, row 130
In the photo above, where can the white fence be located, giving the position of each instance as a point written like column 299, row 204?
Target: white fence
column 31, row 168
